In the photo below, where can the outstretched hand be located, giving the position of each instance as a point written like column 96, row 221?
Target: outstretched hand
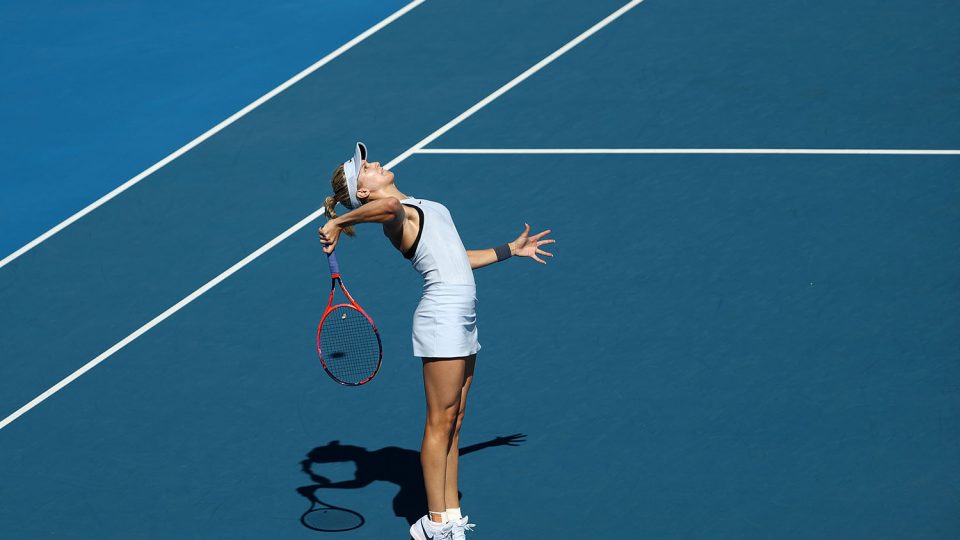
column 529, row 246
column 329, row 236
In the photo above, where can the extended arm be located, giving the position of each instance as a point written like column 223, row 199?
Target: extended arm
column 484, row 257
column 523, row 246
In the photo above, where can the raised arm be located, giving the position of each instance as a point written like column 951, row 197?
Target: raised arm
column 387, row 211
column 523, row 246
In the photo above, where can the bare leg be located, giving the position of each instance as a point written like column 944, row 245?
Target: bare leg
column 451, row 493
column 442, row 382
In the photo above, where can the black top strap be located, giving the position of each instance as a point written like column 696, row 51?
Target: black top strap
column 408, row 254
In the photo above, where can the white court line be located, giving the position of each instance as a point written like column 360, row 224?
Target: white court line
column 211, row 132
column 158, row 319
column 304, row 222
column 519, row 79
column 824, row 151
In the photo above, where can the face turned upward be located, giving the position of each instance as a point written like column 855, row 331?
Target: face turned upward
column 371, row 181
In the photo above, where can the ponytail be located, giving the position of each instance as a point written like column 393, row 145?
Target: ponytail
column 340, row 195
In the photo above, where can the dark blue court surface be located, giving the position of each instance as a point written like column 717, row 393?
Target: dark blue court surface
column 725, row 346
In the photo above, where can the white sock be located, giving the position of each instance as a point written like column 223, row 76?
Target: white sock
column 454, row 513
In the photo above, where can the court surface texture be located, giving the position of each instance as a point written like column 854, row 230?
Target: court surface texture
column 748, row 330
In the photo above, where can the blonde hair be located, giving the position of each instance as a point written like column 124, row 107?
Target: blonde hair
column 340, row 195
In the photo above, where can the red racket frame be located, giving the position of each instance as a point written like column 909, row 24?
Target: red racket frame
column 335, row 279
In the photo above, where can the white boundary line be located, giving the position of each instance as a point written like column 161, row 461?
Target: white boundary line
column 826, row 151
column 305, row 221
column 519, row 79
column 158, row 319
column 211, row 132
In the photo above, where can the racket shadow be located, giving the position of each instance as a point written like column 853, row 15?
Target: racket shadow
column 400, row 466
column 324, row 517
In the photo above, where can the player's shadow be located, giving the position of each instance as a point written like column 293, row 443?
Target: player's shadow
column 400, row 466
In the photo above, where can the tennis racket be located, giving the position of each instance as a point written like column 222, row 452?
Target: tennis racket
column 347, row 340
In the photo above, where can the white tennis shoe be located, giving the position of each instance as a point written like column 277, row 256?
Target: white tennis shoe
column 424, row 529
column 460, row 528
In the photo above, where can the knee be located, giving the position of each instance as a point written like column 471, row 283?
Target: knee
column 444, row 420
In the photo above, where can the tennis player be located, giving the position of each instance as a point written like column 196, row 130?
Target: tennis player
column 445, row 321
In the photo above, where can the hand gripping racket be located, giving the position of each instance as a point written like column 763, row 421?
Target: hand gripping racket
column 347, row 340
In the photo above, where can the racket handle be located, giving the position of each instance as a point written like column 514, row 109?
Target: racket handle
column 332, row 261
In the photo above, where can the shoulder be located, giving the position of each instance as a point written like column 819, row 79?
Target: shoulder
column 435, row 207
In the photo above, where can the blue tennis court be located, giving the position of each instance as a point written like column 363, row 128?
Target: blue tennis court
column 749, row 329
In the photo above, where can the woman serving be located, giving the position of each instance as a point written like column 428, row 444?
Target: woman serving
column 445, row 321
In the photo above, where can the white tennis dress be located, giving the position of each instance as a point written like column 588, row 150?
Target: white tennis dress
column 445, row 322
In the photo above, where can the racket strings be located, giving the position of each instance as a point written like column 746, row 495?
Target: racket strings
column 349, row 346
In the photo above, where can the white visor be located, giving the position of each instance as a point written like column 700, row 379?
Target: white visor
column 351, row 169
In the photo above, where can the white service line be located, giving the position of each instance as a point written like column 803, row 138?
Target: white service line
column 211, row 132
column 818, row 151
column 302, row 223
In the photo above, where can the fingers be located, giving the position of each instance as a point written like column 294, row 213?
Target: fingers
column 540, row 235
column 331, row 245
column 526, row 230
column 328, row 243
column 328, row 237
column 542, row 252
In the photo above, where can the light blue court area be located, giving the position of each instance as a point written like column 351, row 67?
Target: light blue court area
column 95, row 92
column 730, row 346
